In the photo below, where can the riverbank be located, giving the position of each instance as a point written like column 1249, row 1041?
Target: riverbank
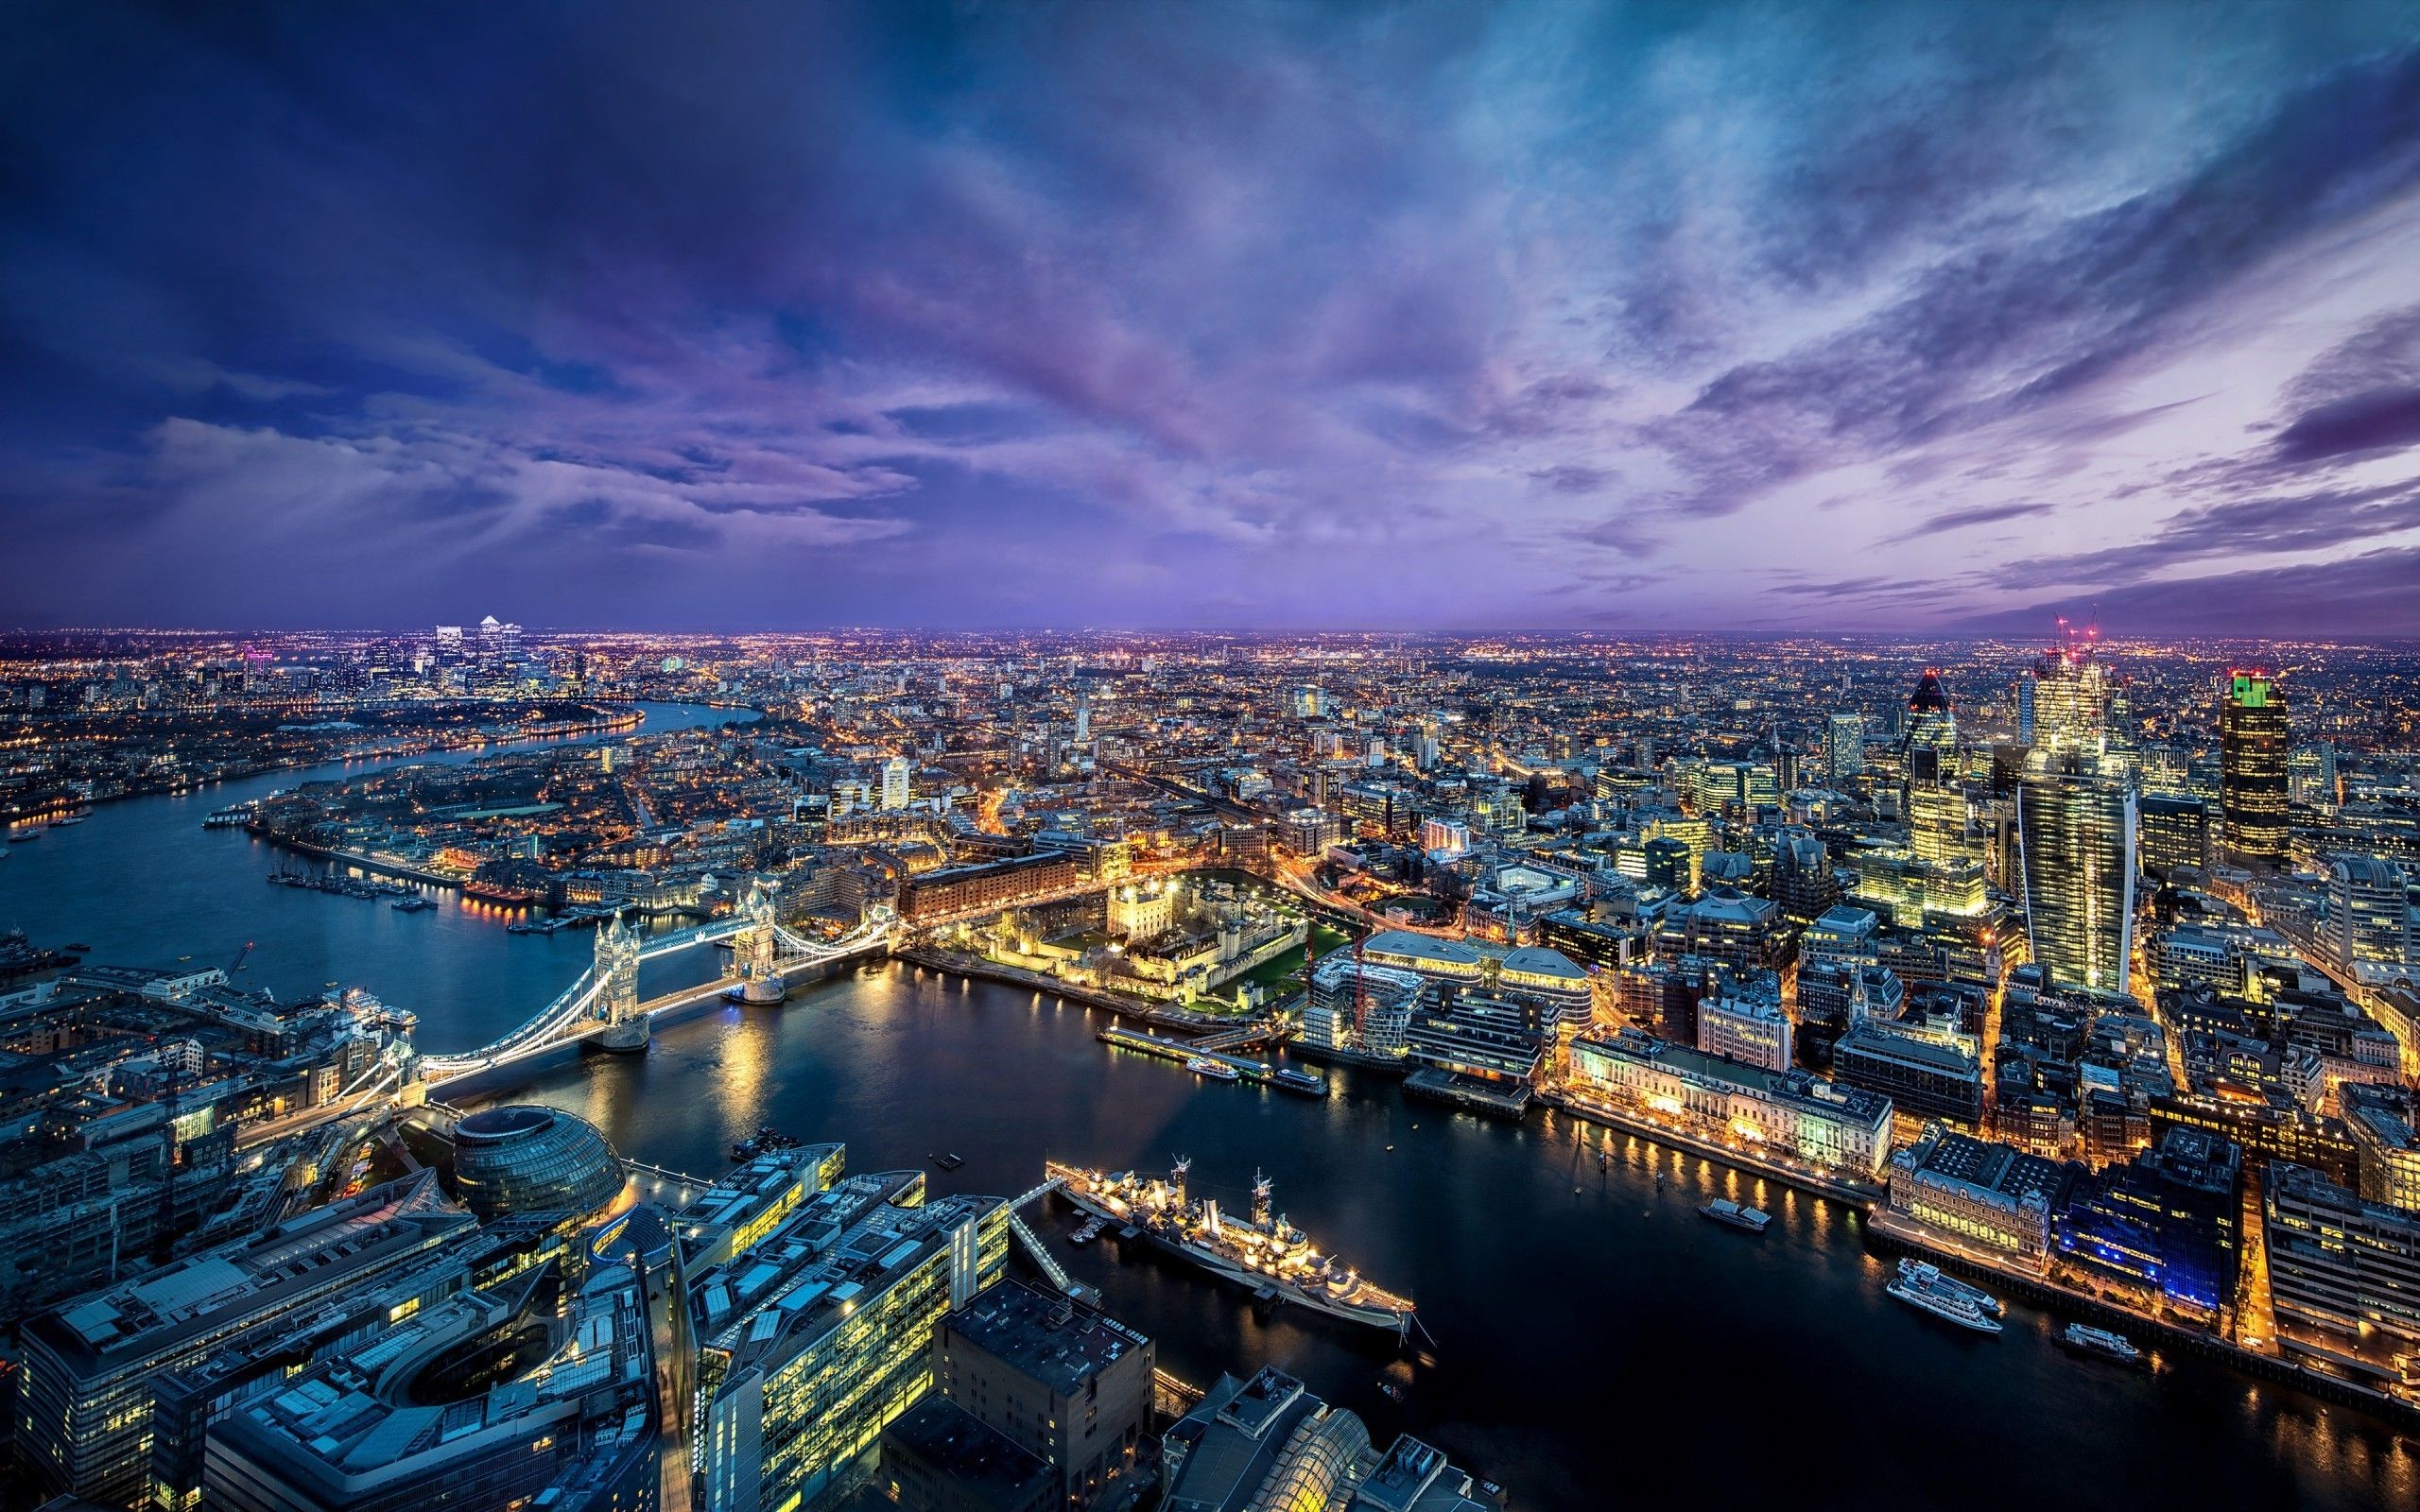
column 1889, row 1232
column 934, row 958
column 1857, row 1195
column 379, row 750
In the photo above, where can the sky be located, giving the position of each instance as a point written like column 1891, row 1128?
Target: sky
column 1622, row 318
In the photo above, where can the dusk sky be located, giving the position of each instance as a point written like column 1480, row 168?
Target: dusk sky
column 1631, row 317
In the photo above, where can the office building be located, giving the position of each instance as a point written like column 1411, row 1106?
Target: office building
column 2369, row 916
column 897, row 774
column 2252, row 770
column 85, row 1400
column 2175, row 832
column 2165, row 1221
column 1793, row 1115
column 2071, row 689
column 1926, row 1073
column 2343, row 1279
column 941, row 1458
column 1742, row 1021
column 1929, row 746
column 820, row 1335
column 1060, row 1381
column 2076, row 833
column 1267, row 1443
column 1981, row 1191
column 1843, row 747
column 525, row 1158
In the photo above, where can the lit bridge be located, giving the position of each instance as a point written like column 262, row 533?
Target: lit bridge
column 604, row 1004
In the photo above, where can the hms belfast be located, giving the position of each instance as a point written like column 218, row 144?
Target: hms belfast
column 1263, row 1252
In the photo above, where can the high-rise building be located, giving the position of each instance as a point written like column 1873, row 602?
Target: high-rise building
column 1843, row 747
column 2175, row 830
column 821, row 1334
column 896, row 774
column 2252, row 770
column 2076, row 829
column 1928, row 747
column 2070, row 701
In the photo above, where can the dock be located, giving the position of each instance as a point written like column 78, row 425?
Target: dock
column 1471, row 1093
column 1181, row 1051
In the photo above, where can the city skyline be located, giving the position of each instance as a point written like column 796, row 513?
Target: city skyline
column 1912, row 320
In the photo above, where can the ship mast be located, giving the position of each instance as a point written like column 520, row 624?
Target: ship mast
column 1261, row 1187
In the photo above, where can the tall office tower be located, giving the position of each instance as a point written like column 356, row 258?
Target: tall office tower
column 1937, row 825
column 1084, row 719
column 895, row 773
column 1929, row 749
column 449, row 643
column 2025, row 685
column 2252, row 770
column 1311, row 703
column 2071, row 700
column 1843, row 747
column 2076, row 831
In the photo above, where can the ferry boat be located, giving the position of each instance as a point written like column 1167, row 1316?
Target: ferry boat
column 232, row 818
column 416, row 903
column 1215, row 1069
column 1723, row 1210
column 2083, row 1338
column 77, row 818
column 1919, row 1272
column 1262, row 1252
column 23, row 833
column 1945, row 1305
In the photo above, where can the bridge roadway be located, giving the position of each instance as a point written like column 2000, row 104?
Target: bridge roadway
column 572, row 1016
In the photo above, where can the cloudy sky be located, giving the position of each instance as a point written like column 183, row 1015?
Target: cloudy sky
column 1625, row 316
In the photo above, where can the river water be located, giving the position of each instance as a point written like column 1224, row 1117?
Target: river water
column 1596, row 1342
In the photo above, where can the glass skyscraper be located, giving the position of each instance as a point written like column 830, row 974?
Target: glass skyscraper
column 2076, row 833
column 2252, row 770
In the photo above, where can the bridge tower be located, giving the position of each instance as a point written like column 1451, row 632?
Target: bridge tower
column 754, row 948
column 617, row 970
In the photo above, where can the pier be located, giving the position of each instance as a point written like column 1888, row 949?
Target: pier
column 1180, row 1051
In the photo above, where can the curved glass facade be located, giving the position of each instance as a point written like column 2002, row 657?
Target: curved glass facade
column 524, row 1158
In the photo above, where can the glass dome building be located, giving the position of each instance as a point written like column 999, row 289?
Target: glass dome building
column 525, row 1158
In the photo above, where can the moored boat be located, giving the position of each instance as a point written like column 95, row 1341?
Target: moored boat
column 1215, row 1069
column 1723, row 1210
column 1921, row 1273
column 2083, row 1338
column 1948, row 1306
column 1262, row 1252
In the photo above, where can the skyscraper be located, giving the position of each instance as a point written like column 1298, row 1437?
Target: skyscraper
column 1843, row 747
column 2252, row 770
column 2076, row 833
column 1930, row 746
column 896, row 773
column 2070, row 701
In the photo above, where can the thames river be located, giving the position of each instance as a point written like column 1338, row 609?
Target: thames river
column 1596, row 1342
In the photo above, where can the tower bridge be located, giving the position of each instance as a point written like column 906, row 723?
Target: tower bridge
column 604, row 1004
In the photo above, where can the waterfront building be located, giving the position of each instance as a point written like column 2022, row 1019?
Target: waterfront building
column 2343, row 1279
column 2253, row 737
column 1355, row 1005
column 986, row 886
column 820, row 1335
column 1269, row 1443
column 85, row 1397
column 1478, row 1034
column 2165, row 1221
column 1557, row 986
column 1792, row 1114
column 524, row 1159
column 1981, row 1191
column 2076, row 828
column 1063, row 1381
